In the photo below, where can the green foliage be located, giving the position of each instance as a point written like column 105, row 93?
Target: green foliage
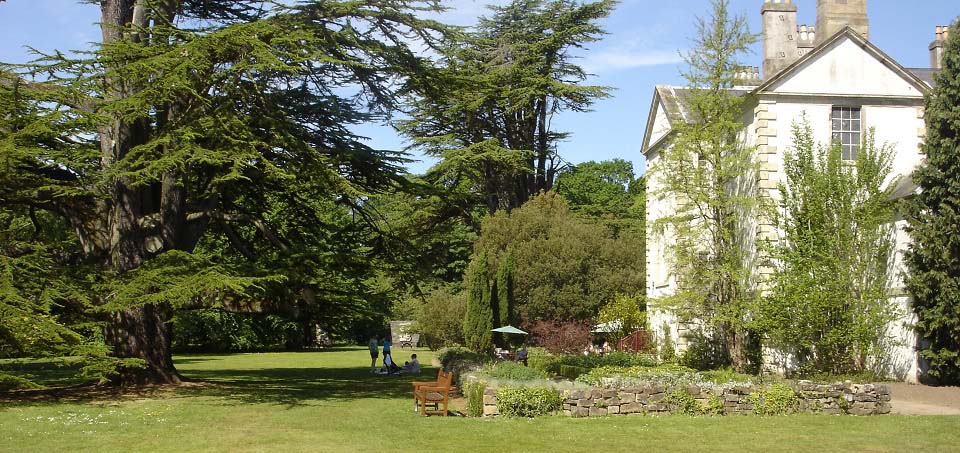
column 934, row 215
column 528, row 401
column 505, row 291
column 202, row 156
column 572, row 372
column 486, row 113
column 615, row 358
column 682, row 402
column 440, row 316
column 724, row 375
column 459, row 360
column 830, row 300
column 629, row 312
column 703, row 353
column 565, row 268
column 216, row 330
column 11, row 382
column 777, row 399
column 608, row 192
column 668, row 352
column 474, row 393
column 667, row 372
column 478, row 322
column 512, row 371
column 708, row 177
column 543, row 360
column 714, row 406
column 598, row 189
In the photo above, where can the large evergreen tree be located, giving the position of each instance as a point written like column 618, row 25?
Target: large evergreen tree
column 934, row 216
column 487, row 116
column 199, row 153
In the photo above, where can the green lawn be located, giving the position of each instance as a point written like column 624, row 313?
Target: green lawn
column 328, row 401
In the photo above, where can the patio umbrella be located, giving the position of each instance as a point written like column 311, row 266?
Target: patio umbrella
column 509, row 329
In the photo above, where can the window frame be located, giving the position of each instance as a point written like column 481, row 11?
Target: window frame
column 850, row 131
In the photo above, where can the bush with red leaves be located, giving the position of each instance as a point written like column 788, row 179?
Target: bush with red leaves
column 561, row 337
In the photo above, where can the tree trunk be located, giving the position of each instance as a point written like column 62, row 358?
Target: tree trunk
column 142, row 332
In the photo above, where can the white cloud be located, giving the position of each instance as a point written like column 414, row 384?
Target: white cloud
column 616, row 59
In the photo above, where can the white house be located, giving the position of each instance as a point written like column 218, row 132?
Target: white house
column 844, row 85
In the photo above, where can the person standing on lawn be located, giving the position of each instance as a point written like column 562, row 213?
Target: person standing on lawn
column 374, row 348
column 386, row 352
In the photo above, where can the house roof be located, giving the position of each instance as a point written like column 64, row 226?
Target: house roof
column 928, row 75
column 905, row 188
column 675, row 99
column 868, row 46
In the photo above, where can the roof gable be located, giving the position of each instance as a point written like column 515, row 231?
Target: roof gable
column 846, row 64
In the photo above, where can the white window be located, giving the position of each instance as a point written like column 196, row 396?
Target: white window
column 846, row 130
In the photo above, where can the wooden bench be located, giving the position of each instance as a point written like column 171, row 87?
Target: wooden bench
column 433, row 393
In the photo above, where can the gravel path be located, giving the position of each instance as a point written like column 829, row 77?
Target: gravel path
column 908, row 399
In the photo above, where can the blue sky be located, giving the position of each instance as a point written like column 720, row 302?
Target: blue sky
column 641, row 50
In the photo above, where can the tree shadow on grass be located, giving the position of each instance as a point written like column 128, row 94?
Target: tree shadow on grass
column 302, row 386
column 283, row 386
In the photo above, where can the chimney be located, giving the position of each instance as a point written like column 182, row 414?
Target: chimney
column 833, row 15
column 779, row 35
column 747, row 76
column 936, row 47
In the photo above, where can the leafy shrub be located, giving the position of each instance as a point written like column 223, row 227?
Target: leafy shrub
column 458, row 359
column 439, row 317
column 703, row 354
column 513, row 371
column 778, row 399
column 562, row 337
column 572, row 372
column 528, row 401
column 217, row 330
column 616, row 358
column 629, row 313
column 661, row 373
column 474, row 393
column 714, row 406
column 543, row 360
column 667, row 351
column 683, row 403
column 725, row 375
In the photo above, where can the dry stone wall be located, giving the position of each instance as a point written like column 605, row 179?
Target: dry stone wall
column 655, row 399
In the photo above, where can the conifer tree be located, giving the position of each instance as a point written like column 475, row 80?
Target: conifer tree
column 201, row 153
column 706, row 174
column 505, row 302
column 488, row 116
column 934, row 216
column 478, row 324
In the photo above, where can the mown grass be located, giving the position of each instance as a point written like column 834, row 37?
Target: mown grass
column 328, row 401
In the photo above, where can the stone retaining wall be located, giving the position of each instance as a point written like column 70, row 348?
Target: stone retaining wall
column 654, row 399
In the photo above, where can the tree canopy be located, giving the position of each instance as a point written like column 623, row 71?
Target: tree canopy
column 934, row 213
column 199, row 155
column 488, row 115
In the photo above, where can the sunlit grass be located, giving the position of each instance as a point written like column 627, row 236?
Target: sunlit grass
column 329, row 401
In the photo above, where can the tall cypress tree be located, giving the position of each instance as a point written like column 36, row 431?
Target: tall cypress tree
column 505, row 291
column 479, row 320
column 934, row 217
